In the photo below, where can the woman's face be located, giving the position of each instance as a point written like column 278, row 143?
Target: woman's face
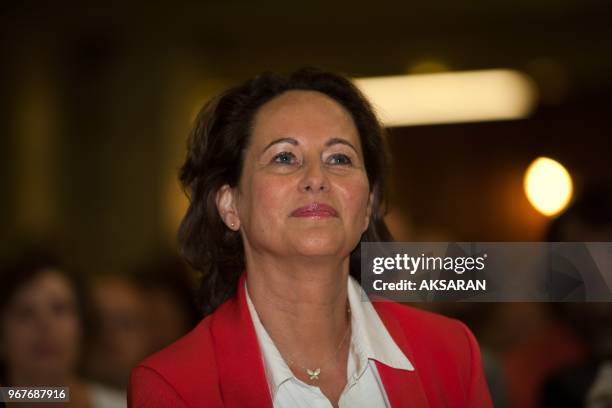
column 304, row 190
column 41, row 328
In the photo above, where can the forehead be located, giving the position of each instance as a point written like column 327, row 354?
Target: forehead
column 47, row 282
column 305, row 115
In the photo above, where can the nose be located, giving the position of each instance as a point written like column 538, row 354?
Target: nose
column 314, row 179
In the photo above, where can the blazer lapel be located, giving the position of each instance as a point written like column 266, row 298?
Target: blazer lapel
column 241, row 372
column 404, row 388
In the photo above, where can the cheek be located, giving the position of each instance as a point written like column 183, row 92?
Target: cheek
column 19, row 334
column 70, row 328
column 67, row 335
column 355, row 193
column 267, row 199
column 18, row 339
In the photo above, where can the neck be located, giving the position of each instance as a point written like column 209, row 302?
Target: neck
column 302, row 303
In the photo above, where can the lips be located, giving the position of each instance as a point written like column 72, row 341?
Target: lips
column 317, row 210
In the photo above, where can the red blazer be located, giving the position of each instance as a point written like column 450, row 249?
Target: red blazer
column 219, row 363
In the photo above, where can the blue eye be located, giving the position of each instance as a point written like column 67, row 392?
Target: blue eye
column 341, row 159
column 284, row 158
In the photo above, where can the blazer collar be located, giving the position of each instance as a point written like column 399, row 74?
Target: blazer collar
column 241, row 372
column 404, row 388
column 372, row 336
column 241, row 369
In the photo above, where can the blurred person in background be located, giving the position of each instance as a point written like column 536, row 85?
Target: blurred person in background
column 124, row 331
column 169, row 288
column 587, row 382
column 533, row 343
column 43, row 323
column 139, row 312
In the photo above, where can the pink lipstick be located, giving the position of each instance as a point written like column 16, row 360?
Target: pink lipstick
column 315, row 210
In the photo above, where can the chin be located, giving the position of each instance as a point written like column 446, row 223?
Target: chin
column 319, row 244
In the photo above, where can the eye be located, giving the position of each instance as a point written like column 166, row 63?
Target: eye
column 284, row 158
column 341, row 159
column 24, row 313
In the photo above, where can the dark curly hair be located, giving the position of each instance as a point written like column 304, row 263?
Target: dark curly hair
column 216, row 150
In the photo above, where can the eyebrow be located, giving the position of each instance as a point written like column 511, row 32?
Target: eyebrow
column 330, row 142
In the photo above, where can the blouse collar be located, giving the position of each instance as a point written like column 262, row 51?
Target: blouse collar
column 370, row 340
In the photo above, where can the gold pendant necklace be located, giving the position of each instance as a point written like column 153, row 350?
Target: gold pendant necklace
column 313, row 373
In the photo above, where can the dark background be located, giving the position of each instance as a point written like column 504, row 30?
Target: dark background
column 96, row 102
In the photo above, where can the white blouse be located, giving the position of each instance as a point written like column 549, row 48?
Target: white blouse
column 370, row 342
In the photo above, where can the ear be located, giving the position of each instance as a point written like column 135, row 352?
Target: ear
column 226, row 206
column 369, row 211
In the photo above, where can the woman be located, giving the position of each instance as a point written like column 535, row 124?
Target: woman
column 42, row 315
column 286, row 177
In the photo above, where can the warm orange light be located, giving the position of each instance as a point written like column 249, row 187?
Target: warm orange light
column 548, row 186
